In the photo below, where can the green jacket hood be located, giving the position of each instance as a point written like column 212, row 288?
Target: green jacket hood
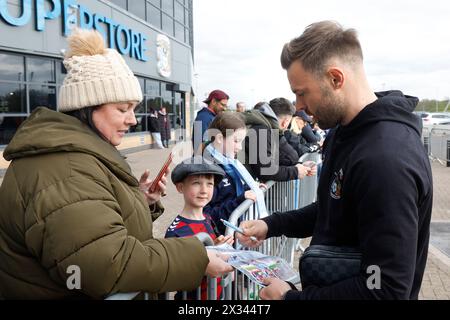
column 47, row 131
column 264, row 118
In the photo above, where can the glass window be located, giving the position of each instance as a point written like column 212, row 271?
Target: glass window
column 156, row 3
column 167, row 6
column 61, row 72
column 154, row 16
column 40, row 70
column 137, row 7
column 167, row 24
column 8, row 127
column 179, row 31
column 166, row 89
column 12, row 98
column 153, row 103
column 140, row 125
column 11, row 67
column 179, row 111
column 42, row 96
column 120, row 3
column 186, row 17
column 186, row 36
column 179, row 12
column 142, row 84
column 152, row 88
column 140, row 108
column 167, row 102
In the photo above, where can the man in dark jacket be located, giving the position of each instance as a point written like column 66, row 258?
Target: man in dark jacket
column 217, row 102
column 371, row 195
column 307, row 131
column 274, row 159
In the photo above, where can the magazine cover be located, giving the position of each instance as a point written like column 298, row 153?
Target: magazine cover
column 258, row 266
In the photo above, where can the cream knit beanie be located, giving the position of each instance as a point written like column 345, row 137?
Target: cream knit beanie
column 95, row 75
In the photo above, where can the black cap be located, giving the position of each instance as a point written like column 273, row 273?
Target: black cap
column 195, row 166
column 302, row 114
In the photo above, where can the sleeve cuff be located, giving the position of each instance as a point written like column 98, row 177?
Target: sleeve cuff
column 272, row 225
column 156, row 210
column 292, row 295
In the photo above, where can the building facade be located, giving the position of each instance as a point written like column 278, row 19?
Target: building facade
column 154, row 36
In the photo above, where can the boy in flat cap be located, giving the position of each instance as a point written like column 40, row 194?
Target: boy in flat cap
column 195, row 178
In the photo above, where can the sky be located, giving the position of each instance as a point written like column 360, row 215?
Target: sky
column 237, row 44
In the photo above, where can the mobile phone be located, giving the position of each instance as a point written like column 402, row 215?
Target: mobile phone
column 154, row 186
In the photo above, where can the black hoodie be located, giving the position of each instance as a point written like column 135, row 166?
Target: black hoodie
column 375, row 192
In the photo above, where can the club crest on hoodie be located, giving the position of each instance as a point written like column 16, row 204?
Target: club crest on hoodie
column 336, row 185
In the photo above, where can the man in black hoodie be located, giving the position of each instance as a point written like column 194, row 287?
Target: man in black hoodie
column 375, row 191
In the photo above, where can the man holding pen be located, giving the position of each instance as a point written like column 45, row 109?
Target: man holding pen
column 370, row 196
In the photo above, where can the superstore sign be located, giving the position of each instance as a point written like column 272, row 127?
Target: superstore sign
column 124, row 39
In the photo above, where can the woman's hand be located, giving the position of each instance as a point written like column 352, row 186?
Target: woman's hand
column 145, row 183
column 217, row 266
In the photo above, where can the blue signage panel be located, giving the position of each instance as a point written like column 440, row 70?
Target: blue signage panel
column 120, row 37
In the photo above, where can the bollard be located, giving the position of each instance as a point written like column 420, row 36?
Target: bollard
column 448, row 153
column 426, row 144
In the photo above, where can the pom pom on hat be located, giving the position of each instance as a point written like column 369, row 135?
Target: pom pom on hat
column 85, row 43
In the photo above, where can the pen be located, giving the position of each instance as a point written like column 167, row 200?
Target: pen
column 226, row 223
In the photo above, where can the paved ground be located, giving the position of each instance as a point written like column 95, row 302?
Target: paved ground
column 436, row 282
column 440, row 236
column 441, row 192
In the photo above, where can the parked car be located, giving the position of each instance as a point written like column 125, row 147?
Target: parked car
column 431, row 118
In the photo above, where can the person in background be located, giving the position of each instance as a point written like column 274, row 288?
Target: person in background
column 268, row 156
column 153, row 127
column 227, row 132
column 164, row 126
column 307, row 130
column 296, row 140
column 240, row 107
column 217, row 102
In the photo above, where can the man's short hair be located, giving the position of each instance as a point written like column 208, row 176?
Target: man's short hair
column 319, row 42
column 282, row 107
column 259, row 105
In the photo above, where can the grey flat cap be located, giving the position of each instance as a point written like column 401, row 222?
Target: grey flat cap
column 195, row 166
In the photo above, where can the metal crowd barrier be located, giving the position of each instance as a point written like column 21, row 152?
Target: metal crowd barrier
column 279, row 197
column 436, row 140
column 212, row 283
